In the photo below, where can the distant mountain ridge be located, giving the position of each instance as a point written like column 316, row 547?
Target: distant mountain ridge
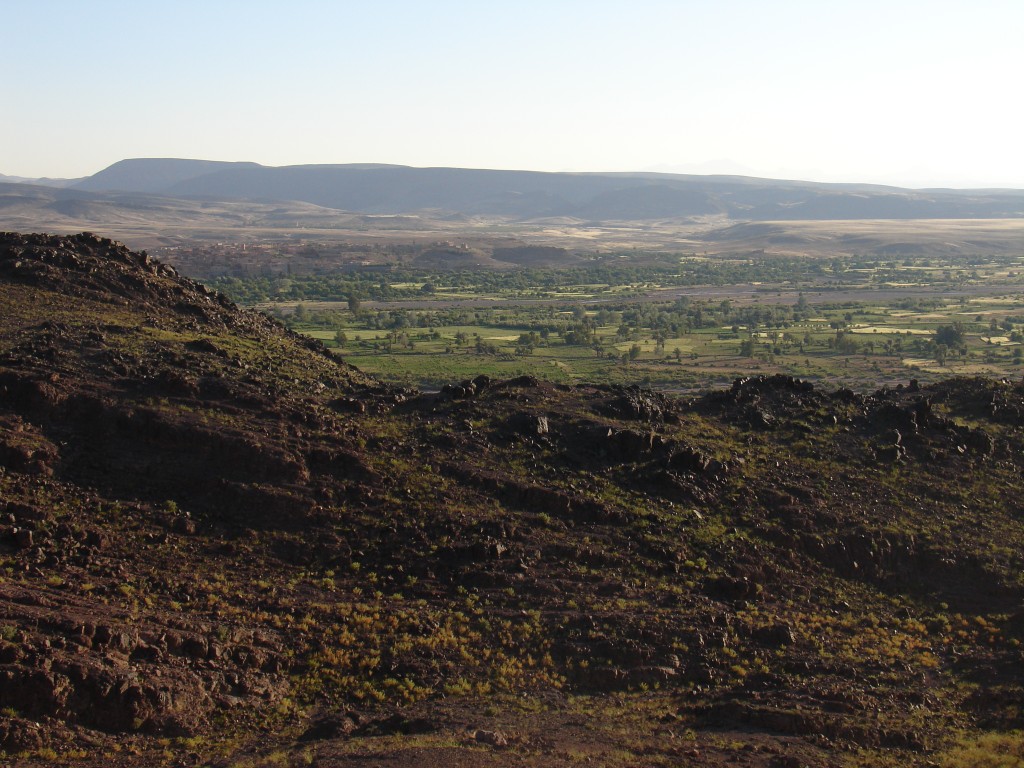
column 393, row 189
column 44, row 182
column 153, row 176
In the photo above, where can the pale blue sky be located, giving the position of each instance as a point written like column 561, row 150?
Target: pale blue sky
column 916, row 93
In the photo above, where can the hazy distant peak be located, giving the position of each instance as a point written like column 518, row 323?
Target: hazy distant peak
column 379, row 188
column 44, row 182
column 153, row 175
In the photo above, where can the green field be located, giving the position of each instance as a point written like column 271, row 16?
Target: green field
column 862, row 323
column 872, row 345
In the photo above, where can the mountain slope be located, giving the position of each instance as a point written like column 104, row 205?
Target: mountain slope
column 44, row 182
column 529, row 194
column 152, row 175
column 223, row 546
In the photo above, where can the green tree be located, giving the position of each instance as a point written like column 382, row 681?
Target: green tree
column 950, row 335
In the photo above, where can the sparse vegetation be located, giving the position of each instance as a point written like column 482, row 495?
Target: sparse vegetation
column 232, row 545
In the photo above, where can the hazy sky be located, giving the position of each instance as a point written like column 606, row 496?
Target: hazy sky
column 904, row 92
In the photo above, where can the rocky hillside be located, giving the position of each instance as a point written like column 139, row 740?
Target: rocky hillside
column 222, row 546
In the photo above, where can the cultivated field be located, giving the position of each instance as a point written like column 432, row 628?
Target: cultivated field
column 860, row 322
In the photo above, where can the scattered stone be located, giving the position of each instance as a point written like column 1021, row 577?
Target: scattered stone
column 775, row 636
column 732, row 588
column 18, row 735
column 531, row 425
column 183, row 524
column 333, row 726
column 689, row 459
column 23, row 538
column 491, row 738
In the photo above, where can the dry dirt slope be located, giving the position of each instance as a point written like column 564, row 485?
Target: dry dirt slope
column 219, row 545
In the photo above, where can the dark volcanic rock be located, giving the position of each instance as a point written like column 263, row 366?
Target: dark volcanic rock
column 210, row 527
